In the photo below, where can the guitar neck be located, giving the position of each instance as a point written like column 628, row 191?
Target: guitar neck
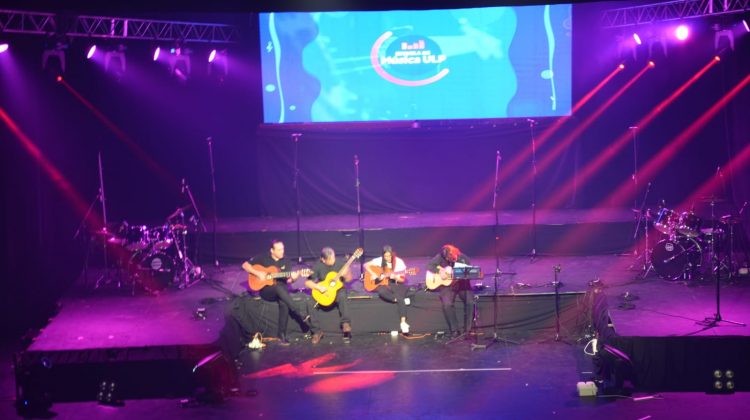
column 346, row 266
column 281, row 275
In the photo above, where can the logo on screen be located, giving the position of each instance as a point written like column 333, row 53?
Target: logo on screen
column 409, row 60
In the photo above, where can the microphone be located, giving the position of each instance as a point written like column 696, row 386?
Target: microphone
column 182, row 187
column 499, row 157
column 633, row 127
column 718, row 171
column 209, row 139
column 356, row 160
column 531, row 121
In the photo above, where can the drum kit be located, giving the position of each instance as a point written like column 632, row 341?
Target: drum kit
column 689, row 247
column 154, row 257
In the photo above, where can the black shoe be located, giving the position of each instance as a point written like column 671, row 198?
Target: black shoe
column 347, row 337
column 283, row 341
column 455, row 334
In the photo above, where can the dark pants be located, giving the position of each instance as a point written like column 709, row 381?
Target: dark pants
column 342, row 304
column 279, row 293
column 448, row 300
column 394, row 293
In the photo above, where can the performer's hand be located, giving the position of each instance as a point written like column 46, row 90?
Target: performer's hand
column 295, row 275
column 321, row 288
column 269, row 276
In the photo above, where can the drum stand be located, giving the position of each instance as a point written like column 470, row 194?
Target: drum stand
column 645, row 256
column 713, row 321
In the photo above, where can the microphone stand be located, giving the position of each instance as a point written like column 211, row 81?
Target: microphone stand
column 209, row 140
column 295, row 186
column 360, row 230
column 105, row 277
column 647, row 263
column 495, row 337
column 187, row 264
column 532, row 123
column 634, row 177
column 88, row 241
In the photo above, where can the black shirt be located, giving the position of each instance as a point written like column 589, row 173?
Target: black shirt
column 267, row 261
column 439, row 261
column 321, row 270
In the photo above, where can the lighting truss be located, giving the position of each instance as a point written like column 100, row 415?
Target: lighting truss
column 36, row 23
column 670, row 11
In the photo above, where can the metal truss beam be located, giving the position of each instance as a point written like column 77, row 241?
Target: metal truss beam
column 671, row 11
column 35, row 23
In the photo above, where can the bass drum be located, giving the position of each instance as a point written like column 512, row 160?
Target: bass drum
column 157, row 272
column 674, row 259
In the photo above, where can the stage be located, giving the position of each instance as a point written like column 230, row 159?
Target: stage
column 141, row 339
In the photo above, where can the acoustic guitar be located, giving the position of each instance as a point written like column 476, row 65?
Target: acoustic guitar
column 381, row 279
column 333, row 282
column 434, row 280
column 256, row 283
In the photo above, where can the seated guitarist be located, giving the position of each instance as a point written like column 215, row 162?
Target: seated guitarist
column 278, row 291
column 442, row 265
column 320, row 270
column 395, row 290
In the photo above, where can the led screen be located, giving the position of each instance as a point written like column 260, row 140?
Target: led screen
column 497, row 62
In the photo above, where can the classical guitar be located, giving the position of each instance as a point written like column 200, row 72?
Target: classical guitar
column 333, row 282
column 435, row 280
column 381, row 279
column 272, row 273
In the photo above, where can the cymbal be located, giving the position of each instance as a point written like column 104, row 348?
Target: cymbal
column 711, row 199
column 178, row 211
column 103, row 232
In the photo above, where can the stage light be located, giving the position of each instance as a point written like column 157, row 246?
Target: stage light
column 723, row 382
column 157, row 51
column 3, row 48
column 212, row 56
column 745, row 25
column 59, row 78
column 218, row 64
column 651, row 64
column 637, row 39
column 621, row 66
column 681, row 32
column 118, row 56
column 91, row 52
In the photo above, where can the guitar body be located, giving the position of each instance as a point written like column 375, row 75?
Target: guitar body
column 434, row 280
column 255, row 283
column 373, row 282
column 333, row 283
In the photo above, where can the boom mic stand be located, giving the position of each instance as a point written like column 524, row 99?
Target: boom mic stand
column 532, row 123
column 188, row 267
column 360, row 230
column 209, row 140
column 495, row 337
column 105, row 277
column 295, row 186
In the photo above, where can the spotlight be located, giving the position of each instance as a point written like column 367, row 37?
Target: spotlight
column 157, row 51
column 107, row 394
column 212, row 56
column 651, row 64
column 53, row 58
column 59, row 79
column 91, row 52
column 681, row 33
column 3, row 48
column 116, row 56
column 745, row 25
column 637, row 39
column 621, row 66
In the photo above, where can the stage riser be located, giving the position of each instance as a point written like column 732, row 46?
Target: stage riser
column 607, row 238
column 527, row 315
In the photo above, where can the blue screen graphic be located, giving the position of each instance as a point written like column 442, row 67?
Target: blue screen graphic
column 497, row 62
